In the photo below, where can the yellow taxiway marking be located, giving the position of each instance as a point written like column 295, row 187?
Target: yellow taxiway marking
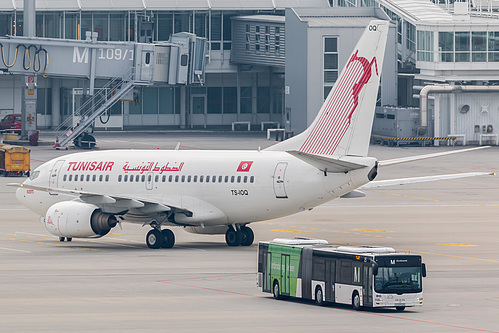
column 456, row 244
column 372, row 230
column 292, row 231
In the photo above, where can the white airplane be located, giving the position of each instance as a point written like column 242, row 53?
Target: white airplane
column 220, row 192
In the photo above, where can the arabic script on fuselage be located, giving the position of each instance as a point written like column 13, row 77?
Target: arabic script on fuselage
column 154, row 166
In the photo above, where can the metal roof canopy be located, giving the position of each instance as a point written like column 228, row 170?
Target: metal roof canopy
column 339, row 16
column 416, row 11
column 75, row 5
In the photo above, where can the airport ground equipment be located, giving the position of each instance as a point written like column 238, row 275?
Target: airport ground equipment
column 14, row 160
column 123, row 65
column 361, row 276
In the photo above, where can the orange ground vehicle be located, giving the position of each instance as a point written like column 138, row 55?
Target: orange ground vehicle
column 14, row 160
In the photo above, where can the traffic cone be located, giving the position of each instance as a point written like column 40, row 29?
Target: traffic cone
column 57, row 145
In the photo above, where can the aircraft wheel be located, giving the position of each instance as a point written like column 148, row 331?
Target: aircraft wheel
column 69, row 239
column 232, row 237
column 154, row 239
column 247, row 236
column 61, row 239
column 168, row 238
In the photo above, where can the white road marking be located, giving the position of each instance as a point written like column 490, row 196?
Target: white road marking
column 5, row 248
column 31, row 234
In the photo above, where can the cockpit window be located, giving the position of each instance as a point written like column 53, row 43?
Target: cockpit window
column 34, row 175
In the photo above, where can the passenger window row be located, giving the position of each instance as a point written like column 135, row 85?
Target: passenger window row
column 86, row 178
column 188, row 179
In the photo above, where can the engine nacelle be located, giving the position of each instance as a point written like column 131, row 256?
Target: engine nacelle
column 78, row 219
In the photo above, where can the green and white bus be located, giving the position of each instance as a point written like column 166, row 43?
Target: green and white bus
column 362, row 276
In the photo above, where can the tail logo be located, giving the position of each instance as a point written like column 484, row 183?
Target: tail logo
column 339, row 107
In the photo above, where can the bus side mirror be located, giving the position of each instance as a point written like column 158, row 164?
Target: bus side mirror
column 375, row 268
column 423, row 269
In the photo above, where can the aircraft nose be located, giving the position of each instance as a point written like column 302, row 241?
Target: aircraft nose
column 20, row 194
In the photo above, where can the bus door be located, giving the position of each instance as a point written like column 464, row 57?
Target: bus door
column 367, row 284
column 267, row 278
column 285, row 261
column 330, row 278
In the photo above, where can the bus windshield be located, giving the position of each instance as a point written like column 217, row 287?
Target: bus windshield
column 398, row 280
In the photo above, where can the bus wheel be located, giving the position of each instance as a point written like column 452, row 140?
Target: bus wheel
column 276, row 290
column 400, row 308
column 356, row 301
column 319, row 296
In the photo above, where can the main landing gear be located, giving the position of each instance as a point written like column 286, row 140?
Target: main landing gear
column 157, row 238
column 244, row 236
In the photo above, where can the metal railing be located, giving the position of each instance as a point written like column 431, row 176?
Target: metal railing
column 102, row 100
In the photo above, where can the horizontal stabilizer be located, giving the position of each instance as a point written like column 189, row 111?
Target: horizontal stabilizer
column 402, row 181
column 353, row 194
column 326, row 164
column 424, row 157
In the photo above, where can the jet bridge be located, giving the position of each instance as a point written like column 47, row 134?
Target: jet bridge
column 180, row 61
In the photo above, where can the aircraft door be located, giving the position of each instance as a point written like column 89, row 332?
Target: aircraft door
column 54, row 173
column 279, row 185
column 149, row 180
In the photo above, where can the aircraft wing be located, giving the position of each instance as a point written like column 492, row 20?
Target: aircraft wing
column 402, row 181
column 424, row 157
column 110, row 203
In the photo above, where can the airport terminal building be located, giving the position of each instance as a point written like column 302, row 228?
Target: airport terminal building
column 272, row 62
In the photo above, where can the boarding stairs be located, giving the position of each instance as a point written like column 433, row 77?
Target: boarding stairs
column 103, row 99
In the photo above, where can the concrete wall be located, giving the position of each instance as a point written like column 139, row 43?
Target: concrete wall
column 296, row 80
column 304, row 60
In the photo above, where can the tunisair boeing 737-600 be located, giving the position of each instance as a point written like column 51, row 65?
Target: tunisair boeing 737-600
column 221, row 192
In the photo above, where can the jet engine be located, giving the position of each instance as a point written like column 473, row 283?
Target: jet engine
column 78, row 219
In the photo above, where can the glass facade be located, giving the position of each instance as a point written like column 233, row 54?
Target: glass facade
column 446, row 46
column 216, row 26
column 475, row 46
column 425, row 46
column 130, row 25
column 155, row 100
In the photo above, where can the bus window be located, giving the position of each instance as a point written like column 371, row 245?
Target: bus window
column 319, row 269
column 346, row 272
